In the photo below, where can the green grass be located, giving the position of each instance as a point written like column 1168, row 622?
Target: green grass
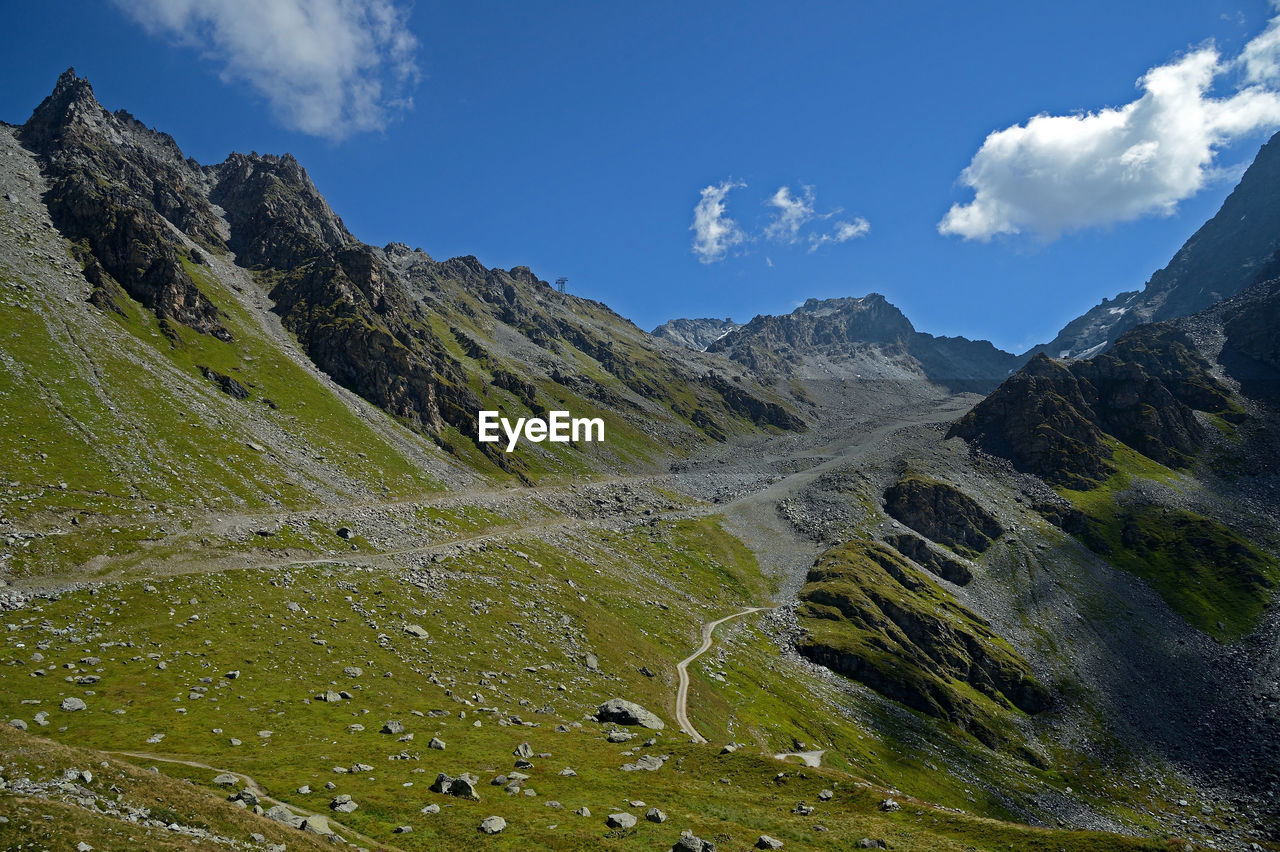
column 491, row 615
column 1210, row 575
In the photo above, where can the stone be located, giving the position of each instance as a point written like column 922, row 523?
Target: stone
column 226, row 779
column 872, row 843
column 344, row 533
column 583, row 811
column 568, row 773
column 431, row 809
column 436, row 743
column 232, row 675
column 317, row 825
column 416, row 631
column 826, row 795
column 18, row 723
column 353, row 671
column 689, row 842
column 492, row 824
column 620, row 820
column 72, row 704
column 343, row 804
column 890, row 805
column 623, row 712
column 284, row 816
column 403, row 829
column 646, row 763
column 392, row 727
column 730, row 748
column 655, row 815
column 523, row 750
column 802, row 809
column 620, row 736
column 767, row 842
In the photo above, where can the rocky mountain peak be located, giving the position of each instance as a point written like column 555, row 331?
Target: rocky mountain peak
column 277, row 216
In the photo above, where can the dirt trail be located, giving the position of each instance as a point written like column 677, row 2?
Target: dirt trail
column 256, row 788
column 682, row 694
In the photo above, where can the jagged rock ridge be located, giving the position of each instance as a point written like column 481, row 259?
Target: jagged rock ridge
column 695, row 333
column 865, row 334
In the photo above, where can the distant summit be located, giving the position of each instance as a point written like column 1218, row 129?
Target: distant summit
column 863, row 337
column 695, row 333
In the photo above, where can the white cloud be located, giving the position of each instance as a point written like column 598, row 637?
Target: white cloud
column 327, row 67
column 714, row 232
column 1060, row 173
column 793, row 213
column 844, row 232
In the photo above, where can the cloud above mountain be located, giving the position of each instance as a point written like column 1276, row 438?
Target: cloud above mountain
column 1058, row 173
column 790, row 223
column 714, row 233
column 328, row 68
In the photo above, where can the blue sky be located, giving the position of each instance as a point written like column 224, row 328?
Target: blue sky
column 578, row 138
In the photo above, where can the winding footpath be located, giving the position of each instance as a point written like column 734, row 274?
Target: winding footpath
column 682, row 667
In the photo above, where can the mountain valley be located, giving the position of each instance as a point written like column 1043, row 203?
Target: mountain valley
column 262, row 588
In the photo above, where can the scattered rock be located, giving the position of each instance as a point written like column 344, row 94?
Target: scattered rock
column 767, row 842
column 872, row 843
column 431, row 809
column 492, row 824
column 416, row 631
column 436, row 743
column 890, row 805
column 226, row 779
column 583, row 811
column 392, row 727
column 655, row 815
column 620, row 820
column 523, row 750
column 826, row 795
column 73, row 704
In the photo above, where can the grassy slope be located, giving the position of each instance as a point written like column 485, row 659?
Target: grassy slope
column 507, row 631
column 1210, row 575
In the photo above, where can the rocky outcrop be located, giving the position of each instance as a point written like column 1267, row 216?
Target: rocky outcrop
column 116, row 187
column 1054, row 419
column 918, row 551
column 942, row 513
column 873, row 617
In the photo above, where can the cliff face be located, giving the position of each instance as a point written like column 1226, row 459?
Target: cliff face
column 115, row 189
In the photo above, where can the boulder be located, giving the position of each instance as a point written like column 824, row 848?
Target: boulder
column 73, row 704
column 623, row 712
column 767, row 842
column 492, row 824
column 620, row 820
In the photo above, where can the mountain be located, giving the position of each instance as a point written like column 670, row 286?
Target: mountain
column 866, row 338
column 259, row 578
column 1220, row 259
column 430, row 343
column 695, row 333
